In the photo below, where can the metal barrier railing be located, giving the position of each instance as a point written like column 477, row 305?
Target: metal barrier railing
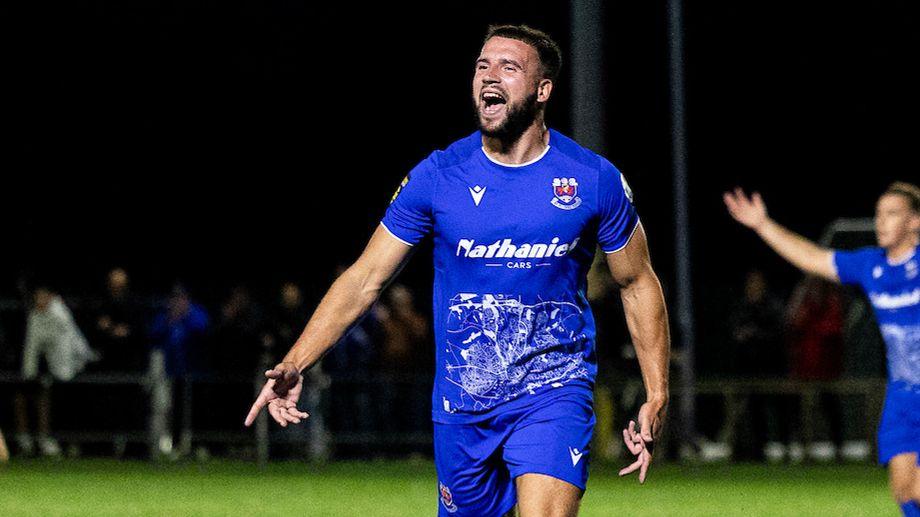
column 182, row 406
column 321, row 436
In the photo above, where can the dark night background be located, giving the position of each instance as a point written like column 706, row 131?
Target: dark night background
column 258, row 141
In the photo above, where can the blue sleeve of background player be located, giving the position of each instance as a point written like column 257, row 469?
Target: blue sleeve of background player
column 409, row 216
column 851, row 265
column 618, row 217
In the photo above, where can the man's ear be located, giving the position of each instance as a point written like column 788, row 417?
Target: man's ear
column 544, row 90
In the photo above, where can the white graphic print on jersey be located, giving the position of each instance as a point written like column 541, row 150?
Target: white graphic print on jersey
column 903, row 353
column 500, row 348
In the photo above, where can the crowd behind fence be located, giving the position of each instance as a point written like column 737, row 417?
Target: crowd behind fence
column 171, row 377
column 138, row 431
column 177, row 376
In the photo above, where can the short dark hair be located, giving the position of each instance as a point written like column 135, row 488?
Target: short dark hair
column 547, row 49
column 909, row 191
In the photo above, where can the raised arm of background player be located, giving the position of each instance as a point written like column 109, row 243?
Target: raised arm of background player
column 647, row 319
column 797, row 250
column 350, row 296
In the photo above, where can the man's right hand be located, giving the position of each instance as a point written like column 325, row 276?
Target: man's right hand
column 749, row 211
column 280, row 394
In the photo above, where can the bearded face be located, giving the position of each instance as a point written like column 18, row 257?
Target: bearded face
column 506, row 121
column 506, row 88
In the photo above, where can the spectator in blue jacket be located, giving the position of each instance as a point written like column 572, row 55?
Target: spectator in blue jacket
column 176, row 333
column 177, row 329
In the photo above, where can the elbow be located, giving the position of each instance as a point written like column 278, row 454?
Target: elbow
column 640, row 282
column 365, row 283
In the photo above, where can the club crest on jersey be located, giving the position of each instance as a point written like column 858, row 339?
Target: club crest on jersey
column 565, row 193
column 447, row 499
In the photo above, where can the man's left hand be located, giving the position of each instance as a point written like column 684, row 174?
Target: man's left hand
column 640, row 439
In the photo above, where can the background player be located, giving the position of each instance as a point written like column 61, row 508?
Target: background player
column 516, row 212
column 889, row 276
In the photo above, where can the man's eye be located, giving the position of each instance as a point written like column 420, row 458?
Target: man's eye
column 510, row 69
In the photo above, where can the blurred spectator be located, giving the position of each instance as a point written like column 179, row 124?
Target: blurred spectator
column 8, row 355
column 756, row 330
column 815, row 323
column 405, row 355
column 235, row 354
column 756, row 333
column 618, row 359
column 404, row 331
column 288, row 319
column 238, row 337
column 176, row 332
column 117, row 321
column 54, row 348
column 350, row 365
column 617, row 362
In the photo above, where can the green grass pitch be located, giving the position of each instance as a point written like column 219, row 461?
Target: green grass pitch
column 401, row 488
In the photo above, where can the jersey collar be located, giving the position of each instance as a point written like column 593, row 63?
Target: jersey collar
column 525, row 164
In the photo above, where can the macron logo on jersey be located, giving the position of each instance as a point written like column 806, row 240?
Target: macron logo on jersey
column 576, row 456
column 505, row 248
column 477, row 193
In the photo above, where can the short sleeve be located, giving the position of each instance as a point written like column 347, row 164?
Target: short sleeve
column 618, row 219
column 850, row 265
column 409, row 216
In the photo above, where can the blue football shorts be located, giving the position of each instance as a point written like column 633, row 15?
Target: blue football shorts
column 899, row 429
column 478, row 462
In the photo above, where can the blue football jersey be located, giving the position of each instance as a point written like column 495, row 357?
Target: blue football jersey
column 894, row 292
column 512, row 247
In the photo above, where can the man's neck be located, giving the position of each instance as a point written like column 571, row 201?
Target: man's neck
column 901, row 251
column 527, row 147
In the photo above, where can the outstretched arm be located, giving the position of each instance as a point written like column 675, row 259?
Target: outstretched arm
column 797, row 250
column 349, row 298
column 647, row 319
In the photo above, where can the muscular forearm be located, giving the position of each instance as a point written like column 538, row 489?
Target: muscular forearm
column 647, row 319
column 799, row 251
column 349, row 298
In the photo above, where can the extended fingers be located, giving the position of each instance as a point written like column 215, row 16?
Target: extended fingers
column 632, row 468
column 264, row 396
column 635, row 431
column 253, row 412
column 299, row 415
column 634, row 446
column 632, row 429
column 730, row 201
column 275, row 411
column 645, row 458
column 285, row 412
column 740, row 195
column 641, row 464
column 290, row 413
column 291, row 408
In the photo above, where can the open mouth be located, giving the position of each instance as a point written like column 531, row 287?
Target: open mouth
column 492, row 102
